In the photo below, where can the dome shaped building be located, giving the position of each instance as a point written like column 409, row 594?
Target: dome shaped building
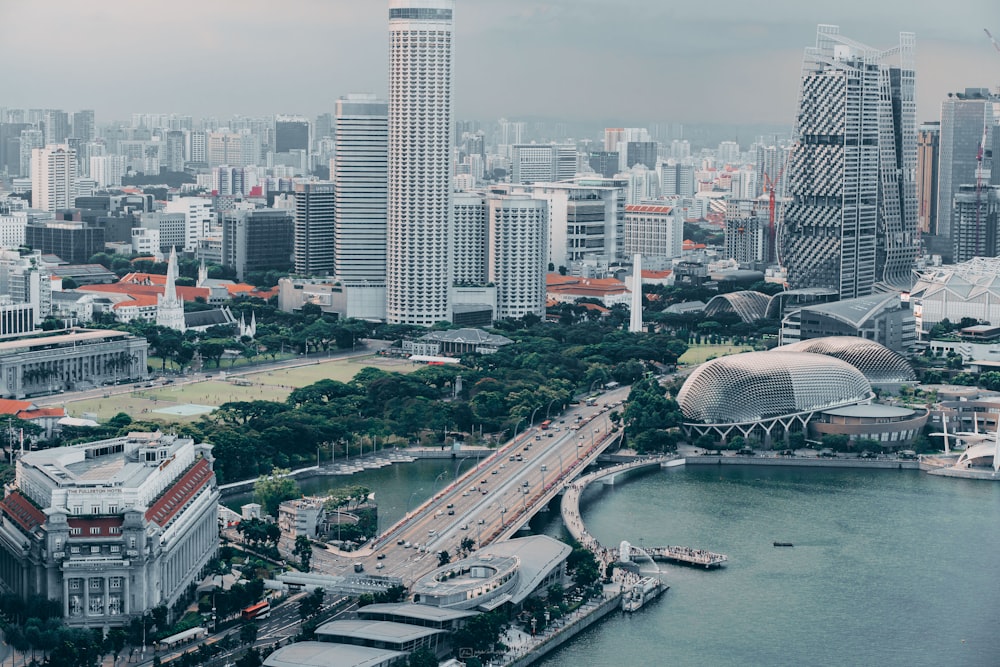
column 767, row 394
column 879, row 364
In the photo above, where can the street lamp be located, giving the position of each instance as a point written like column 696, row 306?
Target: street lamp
column 443, row 473
column 532, row 422
column 411, row 498
column 458, row 465
column 517, row 426
column 550, row 406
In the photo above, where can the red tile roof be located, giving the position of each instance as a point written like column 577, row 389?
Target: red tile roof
column 137, row 278
column 41, row 413
column 185, row 293
column 647, row 208
column 21, row 511
column 656, row 274
column 178, row 495
column 11, row 407
column 138, row 301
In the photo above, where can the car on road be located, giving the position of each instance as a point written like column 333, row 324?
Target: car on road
column 551, row 436
column 400, row 542
column 450, row 505
column 482, row 522
column 451, row 512
column 432, row 532
column 485, row 492
column 544, row 467
column 379, row 566
column 464, row 526
column 380, row 557
column 407, row 545
column 511, row 457
column 465, row 494
column 495, row 472
column 439, row 513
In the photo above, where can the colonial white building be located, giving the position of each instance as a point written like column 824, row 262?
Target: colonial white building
column 79, row 359
column 128, row 524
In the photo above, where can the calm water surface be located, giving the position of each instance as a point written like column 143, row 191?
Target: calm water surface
column 888, row 568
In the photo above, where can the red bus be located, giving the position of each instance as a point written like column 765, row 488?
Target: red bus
column 545, row 424
column 258, row 611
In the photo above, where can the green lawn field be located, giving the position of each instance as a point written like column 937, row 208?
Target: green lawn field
column 273, row 385
column 697, row 354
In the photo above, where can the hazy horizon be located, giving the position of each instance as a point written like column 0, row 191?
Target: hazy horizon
column 579, row 61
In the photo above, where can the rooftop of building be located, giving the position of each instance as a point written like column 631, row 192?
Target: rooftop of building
column 113, row 462
column 325, row 654
column 376, row 631
column 73, row 338
column 539, row 556
column 555, row 282
column 418, row 612
column 648, row 208
column 467, row 336
column 855, row 312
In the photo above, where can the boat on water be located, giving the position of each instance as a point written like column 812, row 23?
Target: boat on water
column 783, row 544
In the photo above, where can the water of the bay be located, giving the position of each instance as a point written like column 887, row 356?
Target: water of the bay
column 888, row 568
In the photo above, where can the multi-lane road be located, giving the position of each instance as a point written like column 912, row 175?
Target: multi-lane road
column 483, row 502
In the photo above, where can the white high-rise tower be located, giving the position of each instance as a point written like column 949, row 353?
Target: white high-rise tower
column 53, row 177
column 418, row 243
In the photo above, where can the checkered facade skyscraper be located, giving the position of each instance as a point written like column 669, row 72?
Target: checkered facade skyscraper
column 852, row 223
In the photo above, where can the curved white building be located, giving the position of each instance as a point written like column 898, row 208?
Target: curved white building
column 418, row 250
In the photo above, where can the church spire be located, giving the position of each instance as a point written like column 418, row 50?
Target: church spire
column 169, row 309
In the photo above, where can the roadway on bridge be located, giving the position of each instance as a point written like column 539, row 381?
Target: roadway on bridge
column 485, row 499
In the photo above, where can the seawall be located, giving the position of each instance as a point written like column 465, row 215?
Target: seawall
column 886, row 464
column 567, row 633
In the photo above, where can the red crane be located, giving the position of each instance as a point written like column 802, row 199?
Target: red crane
column 771, row 186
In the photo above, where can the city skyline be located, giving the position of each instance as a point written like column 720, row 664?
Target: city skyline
column 506, row 56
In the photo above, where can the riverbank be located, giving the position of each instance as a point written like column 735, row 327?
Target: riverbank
column 380, row 459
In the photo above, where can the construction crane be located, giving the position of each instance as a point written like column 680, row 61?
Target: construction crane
column 771, row 186
column 992, row 39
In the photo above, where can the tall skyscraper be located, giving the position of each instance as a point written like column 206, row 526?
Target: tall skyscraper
column 359, row 177
column 291, row 133
column 313, row 250
column 928, row 145
column 852, row 222
column 83, row 125
column 964, row 119
column 53, row 177
column 517, row 254
column 418, row 250
column 56, row 126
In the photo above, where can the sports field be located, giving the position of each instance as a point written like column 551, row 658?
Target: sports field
column 187, row 402
column 697, row 354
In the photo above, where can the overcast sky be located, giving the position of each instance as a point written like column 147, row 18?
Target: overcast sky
column 725, row 61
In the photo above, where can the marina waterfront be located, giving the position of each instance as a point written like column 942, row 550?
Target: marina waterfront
column 889, row 567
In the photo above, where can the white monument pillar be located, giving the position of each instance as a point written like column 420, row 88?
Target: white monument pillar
column 635, row 323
